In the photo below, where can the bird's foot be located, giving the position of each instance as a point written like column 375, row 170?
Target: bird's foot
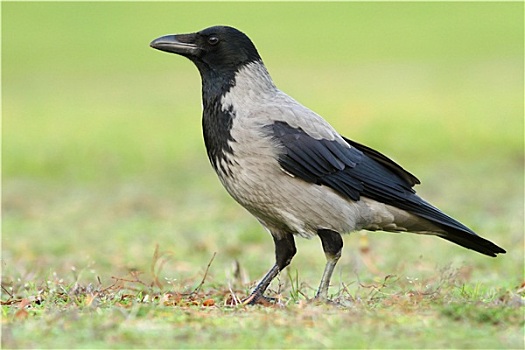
column 258, row 298
column 320, row 301
column 322, row 298
column 321, row 295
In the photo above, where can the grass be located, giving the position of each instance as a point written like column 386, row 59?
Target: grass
column 116, row 233
column 132, row 313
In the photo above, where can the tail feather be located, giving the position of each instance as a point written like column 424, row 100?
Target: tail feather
column 453, row 230
column 473, row 241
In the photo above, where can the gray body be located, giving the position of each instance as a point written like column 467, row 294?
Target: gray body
column 277, row 198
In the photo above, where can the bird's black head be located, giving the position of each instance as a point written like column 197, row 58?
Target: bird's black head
column 218, row 48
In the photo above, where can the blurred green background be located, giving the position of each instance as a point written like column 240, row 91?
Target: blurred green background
column 103, row 155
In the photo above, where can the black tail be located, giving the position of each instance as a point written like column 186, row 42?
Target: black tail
column 454, row 231
column 473, row 241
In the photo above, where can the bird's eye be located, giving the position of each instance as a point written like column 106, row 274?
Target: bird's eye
column 213, row 40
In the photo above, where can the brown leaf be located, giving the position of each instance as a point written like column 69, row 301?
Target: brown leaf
column 21, row 314
column 23, row 303
column 208, row 302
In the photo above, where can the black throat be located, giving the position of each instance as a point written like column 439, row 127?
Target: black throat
column 217, row 119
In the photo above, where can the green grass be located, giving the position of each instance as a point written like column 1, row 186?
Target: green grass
column 103, row 161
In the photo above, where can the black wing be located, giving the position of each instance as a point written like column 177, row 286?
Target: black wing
column 385, row 161
column 351, row 171
column 361, row 171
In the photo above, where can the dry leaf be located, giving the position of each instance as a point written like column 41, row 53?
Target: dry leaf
column 208, row 302
column 21, row 314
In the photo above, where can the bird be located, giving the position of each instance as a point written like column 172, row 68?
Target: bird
column 291, row 169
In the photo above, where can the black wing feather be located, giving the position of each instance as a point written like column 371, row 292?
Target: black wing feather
column 385, row 161
column 355, row 170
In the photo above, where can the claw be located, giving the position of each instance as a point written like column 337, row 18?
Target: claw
column 257, row 298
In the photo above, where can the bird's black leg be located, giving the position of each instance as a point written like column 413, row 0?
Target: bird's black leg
column 284, row 252
column 332, row 246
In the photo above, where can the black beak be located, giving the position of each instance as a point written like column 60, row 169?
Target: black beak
column 183, row 44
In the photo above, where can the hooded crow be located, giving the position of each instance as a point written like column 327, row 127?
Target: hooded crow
column 289, row 168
